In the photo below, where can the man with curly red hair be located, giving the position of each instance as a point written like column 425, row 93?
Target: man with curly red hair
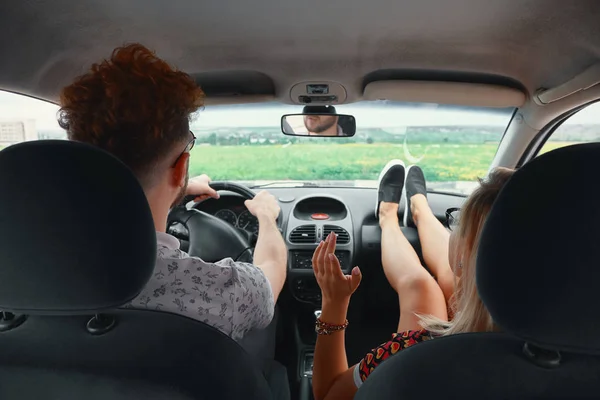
column 137, row 107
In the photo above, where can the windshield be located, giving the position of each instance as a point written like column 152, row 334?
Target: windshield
column 453, row 145
column 244, row 143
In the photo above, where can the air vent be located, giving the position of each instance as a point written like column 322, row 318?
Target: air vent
column 343, row 235
column 304, row 234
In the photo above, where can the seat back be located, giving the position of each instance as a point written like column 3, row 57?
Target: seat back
column 148, row 354
column 480, row 366
column 538, row 276
column 78, row 241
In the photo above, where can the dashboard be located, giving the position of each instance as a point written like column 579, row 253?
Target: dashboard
column 232, row 210
column 309, row 214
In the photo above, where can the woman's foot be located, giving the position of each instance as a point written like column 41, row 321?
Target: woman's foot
column 391, row 183
column 414, row 185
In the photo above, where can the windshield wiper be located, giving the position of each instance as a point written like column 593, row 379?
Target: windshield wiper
column 285, row 183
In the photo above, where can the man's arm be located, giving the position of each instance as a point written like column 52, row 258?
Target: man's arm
column 270, row 253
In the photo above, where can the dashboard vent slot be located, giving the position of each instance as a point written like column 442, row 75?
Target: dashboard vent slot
column 304, row 234
column 343, row 235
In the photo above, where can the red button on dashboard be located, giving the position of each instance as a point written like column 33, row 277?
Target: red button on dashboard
column 319, row 216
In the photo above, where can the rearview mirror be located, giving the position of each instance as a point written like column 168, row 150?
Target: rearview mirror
column 318, row 125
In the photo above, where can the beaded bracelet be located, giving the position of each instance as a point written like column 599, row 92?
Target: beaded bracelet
column 323, row 328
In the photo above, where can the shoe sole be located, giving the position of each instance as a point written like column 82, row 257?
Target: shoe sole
column 406, row 205
column 384, row 171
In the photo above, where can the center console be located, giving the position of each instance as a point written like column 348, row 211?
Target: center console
column 311, row 220
column 307, row 363
column 306, row 338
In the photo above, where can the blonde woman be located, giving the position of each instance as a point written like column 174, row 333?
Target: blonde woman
column 429, row 304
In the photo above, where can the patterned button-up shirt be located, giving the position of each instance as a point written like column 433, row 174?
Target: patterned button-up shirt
column 234, row 297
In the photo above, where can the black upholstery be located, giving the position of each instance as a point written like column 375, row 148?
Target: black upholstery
column 479, row 366
column 66, row 212
column 538, row 275
column 81, row 227
column 548, row 218
column 147, row 351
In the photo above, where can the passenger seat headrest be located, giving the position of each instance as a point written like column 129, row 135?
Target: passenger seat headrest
column 76, row 231
column 538, row 264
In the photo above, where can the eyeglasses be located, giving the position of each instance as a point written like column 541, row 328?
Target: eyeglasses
column 453, row 218
column 188, row 147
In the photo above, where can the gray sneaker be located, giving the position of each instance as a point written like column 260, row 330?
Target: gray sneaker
column 414, row 184
column 391, row 183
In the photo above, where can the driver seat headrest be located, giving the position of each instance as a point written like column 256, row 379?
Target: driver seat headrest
column 538, row 263
column 77, row 232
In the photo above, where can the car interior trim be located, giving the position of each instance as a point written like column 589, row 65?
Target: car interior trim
column 457, row 93
column 583, row 81
column 544, row 134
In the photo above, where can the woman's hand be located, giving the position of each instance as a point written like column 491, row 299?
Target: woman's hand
column 336, row 288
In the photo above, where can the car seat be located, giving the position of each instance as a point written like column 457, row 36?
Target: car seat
column 77, row 241
column 538, row 271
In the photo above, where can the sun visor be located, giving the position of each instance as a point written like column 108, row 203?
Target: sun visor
column 238, row 99
column 456, row 93
column 585, row 80
column 235, row 87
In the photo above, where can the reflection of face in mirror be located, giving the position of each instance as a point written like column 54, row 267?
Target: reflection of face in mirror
column 323, row 125
column 318, row 125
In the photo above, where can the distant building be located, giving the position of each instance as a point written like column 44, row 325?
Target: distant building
column 12, row 132
column 52, row 134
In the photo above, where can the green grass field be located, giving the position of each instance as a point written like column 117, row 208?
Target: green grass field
column 441, row 163
column 548, row 146
column 336, row 162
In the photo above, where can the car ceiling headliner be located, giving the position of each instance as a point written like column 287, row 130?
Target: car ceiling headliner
column 45, row 44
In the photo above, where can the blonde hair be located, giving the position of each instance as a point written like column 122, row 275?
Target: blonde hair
column 470, row 315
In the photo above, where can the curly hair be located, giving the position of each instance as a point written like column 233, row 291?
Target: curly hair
column 133, row 105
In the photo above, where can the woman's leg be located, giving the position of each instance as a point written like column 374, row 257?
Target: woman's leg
column 433, row 236
column 418, row 292
column 434, row 240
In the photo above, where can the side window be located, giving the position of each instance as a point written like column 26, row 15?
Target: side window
column 24, row 118
column 582, row 127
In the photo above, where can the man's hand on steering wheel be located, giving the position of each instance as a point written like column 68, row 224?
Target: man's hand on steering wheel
column 199, row 186
column 211, row 238
column 263, row 205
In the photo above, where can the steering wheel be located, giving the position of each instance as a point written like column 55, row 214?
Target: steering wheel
column 211, row 238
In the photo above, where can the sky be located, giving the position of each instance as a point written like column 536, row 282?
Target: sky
column 377, row 114
column 366, row 117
